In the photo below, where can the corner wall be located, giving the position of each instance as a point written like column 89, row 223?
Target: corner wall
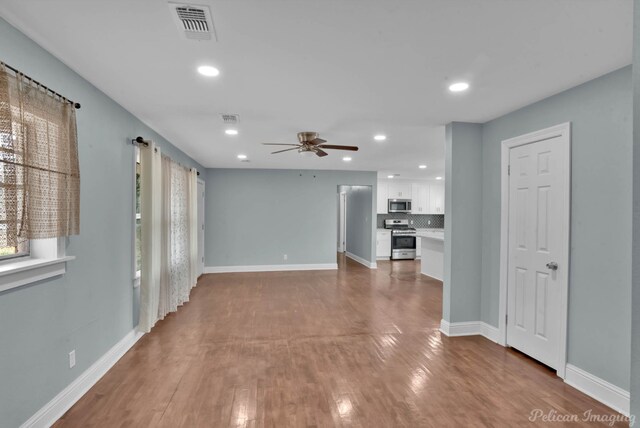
column 635, row 324
column 463, row 222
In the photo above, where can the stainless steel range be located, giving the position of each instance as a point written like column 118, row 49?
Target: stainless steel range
column 403, row 239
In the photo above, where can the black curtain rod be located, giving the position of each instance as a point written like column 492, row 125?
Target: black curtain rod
column 76, row 105
column 140, row 140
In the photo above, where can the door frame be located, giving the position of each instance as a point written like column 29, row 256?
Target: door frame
column 563, row 131
column 342, row 222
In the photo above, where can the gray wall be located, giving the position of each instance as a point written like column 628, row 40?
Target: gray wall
column 463, row 223
column 91, row 307
column 635, row 326
column 359, row 221
column 255, row 216
column 600, row 272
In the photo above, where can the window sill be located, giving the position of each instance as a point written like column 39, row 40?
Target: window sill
column 23, row 272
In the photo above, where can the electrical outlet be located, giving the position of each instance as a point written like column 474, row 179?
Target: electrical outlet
column 429, row 223
column 411, row 221
column 72, row 359
column 285, row 257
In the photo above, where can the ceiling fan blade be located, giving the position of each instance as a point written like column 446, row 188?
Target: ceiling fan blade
column 285, row 150
column 321, row 153
column 279, row 144
column 329, row 146
column 317, row 141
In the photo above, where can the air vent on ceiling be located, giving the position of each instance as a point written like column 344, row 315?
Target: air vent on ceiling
column 193, row 21
column 230, row 119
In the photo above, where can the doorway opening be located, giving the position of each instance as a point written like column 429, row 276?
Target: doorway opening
column 356, row 224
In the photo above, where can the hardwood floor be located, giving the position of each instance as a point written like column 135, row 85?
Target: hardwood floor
column 353, row 347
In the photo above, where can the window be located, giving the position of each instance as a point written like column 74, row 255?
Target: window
column 39, row 181
column 11, row 189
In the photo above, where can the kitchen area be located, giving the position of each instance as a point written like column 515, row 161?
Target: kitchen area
column 410, row 223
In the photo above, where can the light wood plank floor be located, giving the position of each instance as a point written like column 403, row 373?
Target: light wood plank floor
column 353, row 347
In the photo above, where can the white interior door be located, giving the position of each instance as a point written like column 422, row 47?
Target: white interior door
column 200, row 227
column 537, row 252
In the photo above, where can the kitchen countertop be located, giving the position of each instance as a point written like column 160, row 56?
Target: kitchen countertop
column 435, row 234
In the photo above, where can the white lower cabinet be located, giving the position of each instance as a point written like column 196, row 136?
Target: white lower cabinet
column 383, row 244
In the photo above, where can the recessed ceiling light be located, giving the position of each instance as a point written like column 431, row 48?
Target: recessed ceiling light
column 346, row 159
column 459, row 87
column 390, row 176
column 242, row 156
column 209, row 71
column 422, row 166
column 438, row 178
column 379, row 137
column 231, row 132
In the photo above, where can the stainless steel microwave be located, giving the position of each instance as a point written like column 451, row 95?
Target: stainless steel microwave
column 399, row 206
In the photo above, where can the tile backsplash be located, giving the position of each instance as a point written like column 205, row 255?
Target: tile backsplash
column 420, row 221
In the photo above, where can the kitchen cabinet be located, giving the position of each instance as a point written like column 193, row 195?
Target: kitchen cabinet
column 383, row 196
column 383, row 244
column 399, row 190
column 419, row 198
column 436, row 198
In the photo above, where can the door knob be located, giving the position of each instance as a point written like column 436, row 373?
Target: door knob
column 552, row 265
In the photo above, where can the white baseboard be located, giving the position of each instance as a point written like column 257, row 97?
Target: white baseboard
column 269, row 268
column 470, row 328
column 490, row 332
column 599, row 389
column 362, row 261
column 54, row 409
column 603, row 391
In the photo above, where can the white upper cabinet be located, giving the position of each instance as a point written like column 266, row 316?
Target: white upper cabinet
column 436, row 198
column 426, row 197
column 399, row 190
column 419, row 198
column 383, row 196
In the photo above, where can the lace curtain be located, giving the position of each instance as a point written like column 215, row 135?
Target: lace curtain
column 169, row 236
column 175, row 251
column 39, row 168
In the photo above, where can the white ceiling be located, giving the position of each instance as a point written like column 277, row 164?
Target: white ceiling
column 346, row 69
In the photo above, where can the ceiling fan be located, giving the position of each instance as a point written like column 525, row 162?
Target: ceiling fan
column 309, row 142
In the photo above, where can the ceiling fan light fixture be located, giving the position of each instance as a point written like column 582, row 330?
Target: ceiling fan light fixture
column 380, row 137
column 231, row 131
column 346, row 159
column 241, row 157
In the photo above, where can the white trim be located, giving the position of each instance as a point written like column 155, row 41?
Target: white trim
column 54, row 409
column 25, row 271
column 430, row 276
column 362, row 261
column 469, row 328
column 269, row 268
column 603, row 391
column 563, row 130
column 490, row 332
